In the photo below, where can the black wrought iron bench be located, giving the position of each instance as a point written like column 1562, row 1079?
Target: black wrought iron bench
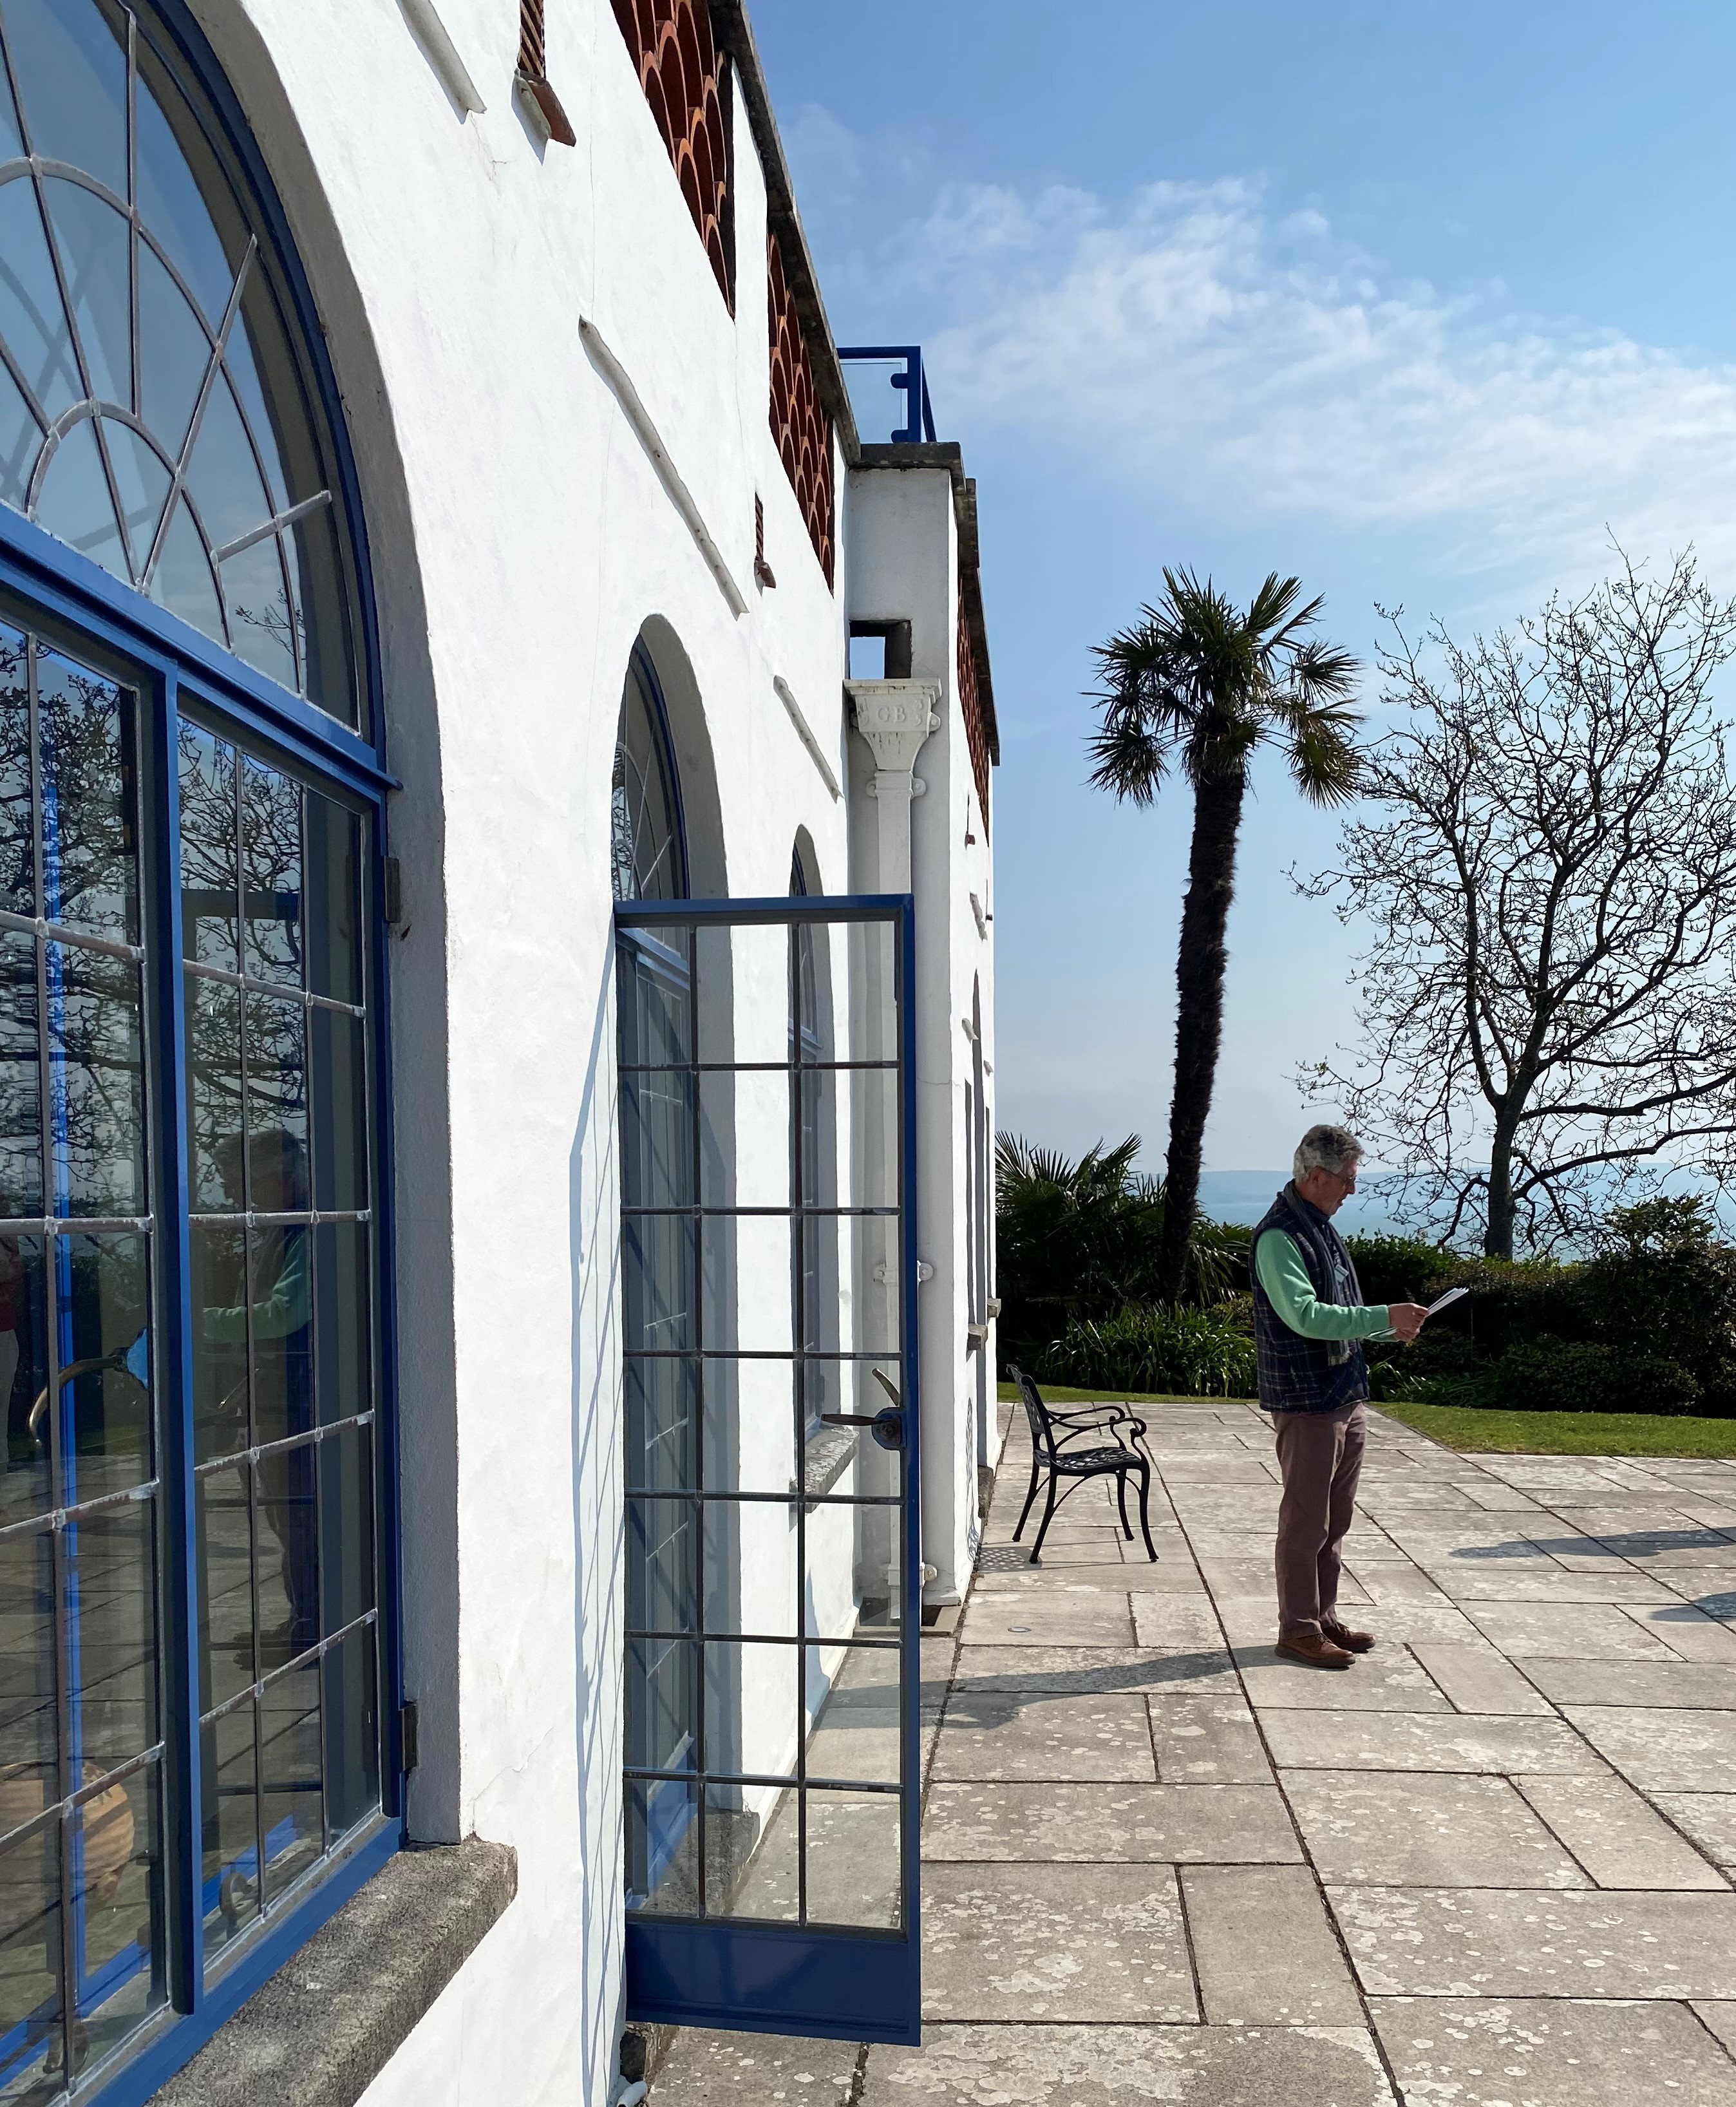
column 1054, row 1440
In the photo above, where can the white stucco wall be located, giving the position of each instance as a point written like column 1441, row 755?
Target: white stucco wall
column 521, row 541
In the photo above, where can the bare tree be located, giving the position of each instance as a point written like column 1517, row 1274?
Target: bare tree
column 1548, row 1008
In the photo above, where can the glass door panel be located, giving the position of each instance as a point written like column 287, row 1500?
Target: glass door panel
column 768, row 1314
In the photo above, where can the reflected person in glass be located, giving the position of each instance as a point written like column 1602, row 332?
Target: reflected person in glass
column 280, row 1325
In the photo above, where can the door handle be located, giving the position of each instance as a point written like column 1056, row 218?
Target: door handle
column 887, row 1426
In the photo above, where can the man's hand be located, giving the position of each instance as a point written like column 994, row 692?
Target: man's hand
column 1405, row 1318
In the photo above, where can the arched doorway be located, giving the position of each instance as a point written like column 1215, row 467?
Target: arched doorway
column 767, row 1349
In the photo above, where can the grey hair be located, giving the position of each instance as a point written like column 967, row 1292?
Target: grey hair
column 1334, row 1148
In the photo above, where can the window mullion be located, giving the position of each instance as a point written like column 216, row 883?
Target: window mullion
column 165, row 996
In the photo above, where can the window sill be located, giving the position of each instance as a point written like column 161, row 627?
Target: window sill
column 827, row 1454
column 328, row 2023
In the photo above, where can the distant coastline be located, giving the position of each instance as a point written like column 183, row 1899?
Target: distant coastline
column 1243, row 1196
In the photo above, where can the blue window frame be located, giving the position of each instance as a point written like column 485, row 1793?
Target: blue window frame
column 199, row 1723
column 771, row 1760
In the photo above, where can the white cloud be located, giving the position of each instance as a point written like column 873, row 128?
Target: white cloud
column 1267, row 367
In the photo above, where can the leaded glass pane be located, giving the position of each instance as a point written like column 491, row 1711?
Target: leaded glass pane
column 650, row 858
column 80, row 1712
column 283, row 1360
column 192, row 343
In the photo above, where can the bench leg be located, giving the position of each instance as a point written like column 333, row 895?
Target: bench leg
column 1049, row 1516
column 1126, row 1527
column 1025, row 1512
column 1145, row 1512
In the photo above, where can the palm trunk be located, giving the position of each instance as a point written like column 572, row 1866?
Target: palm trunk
column 1200, row 960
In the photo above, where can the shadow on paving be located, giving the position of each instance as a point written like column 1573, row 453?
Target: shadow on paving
column 1494, row 1861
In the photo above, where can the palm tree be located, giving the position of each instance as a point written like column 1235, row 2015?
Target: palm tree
column 1083, row 1240
column 1194, row 681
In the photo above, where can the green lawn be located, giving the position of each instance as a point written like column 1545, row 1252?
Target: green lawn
column 1471, row 1429
column 1468, row 1427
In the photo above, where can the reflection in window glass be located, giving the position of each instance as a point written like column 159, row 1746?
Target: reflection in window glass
column 89, row 849
column 28, row 1486
column 271, row 874
column 284, row 1357
column 21, row 1078
column 17, row 855
column 208, row 831
column 79, row 1575
column 96, row 1082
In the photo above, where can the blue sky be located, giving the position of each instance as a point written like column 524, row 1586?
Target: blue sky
column 1419, row 301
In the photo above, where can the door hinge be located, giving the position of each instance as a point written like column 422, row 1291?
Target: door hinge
column 407, row 1748
column 393, row 885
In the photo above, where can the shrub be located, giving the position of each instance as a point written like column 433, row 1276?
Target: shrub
column 1556, row 1375
column 1662, row 1287
column 1514, row 1301
column 1397, row 1268
column 1189, row 1353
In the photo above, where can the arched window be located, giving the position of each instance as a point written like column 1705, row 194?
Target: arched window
column 156, row 409
column 202, row 1752
column 648, row 849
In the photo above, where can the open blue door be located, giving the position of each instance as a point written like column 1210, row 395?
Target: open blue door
column 772, row 1572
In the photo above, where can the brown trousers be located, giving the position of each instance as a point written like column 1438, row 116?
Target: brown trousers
column 1320, row 1456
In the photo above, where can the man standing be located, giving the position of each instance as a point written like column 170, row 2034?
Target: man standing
column 1309, row 1320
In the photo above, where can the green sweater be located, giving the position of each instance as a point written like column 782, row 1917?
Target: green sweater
column 1278, row 1260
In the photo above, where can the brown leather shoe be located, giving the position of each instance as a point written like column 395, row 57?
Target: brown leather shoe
column 1315, row 1650
column 1352, row 1642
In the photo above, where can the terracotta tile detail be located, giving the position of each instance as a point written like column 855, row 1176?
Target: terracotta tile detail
column 799, row 426
column 975, row 732
column 670, row 42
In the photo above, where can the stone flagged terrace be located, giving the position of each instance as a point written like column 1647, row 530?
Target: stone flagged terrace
column 1494, row 1861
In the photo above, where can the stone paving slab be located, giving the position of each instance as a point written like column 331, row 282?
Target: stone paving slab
column 712, row 2069
column 1555, row 1632
column 1016, row 1943
column 1551, row 2052
column 1398, row 1580
column 1085, row 1552
column 1621, row 1841
column 1388, row 1679
column 1395, row 1829
column 1719, row 2018
column 1207, row 1740
column 1249, row 1618
column 1084, row 1669
column 1009, row 1735
column 1499, row 1582
column 1574, row 1943
column 1120, row 1825
column 1707, row 1819
column 1167, row 1624
column 1426, row 1741
column 1062, row 2066
column 1663, row 1751
column 1065, row 1619
column 1694, row 1632
column 1265, row 1948
column 1677, row 1685
column 1480, row 1679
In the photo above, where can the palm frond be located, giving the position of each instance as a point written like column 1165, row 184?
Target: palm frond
column 1325, row 766
column 1128, row 758
column 1318, row 670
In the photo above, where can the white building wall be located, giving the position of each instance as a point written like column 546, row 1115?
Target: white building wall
column 905, row 568
column 523, row 538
